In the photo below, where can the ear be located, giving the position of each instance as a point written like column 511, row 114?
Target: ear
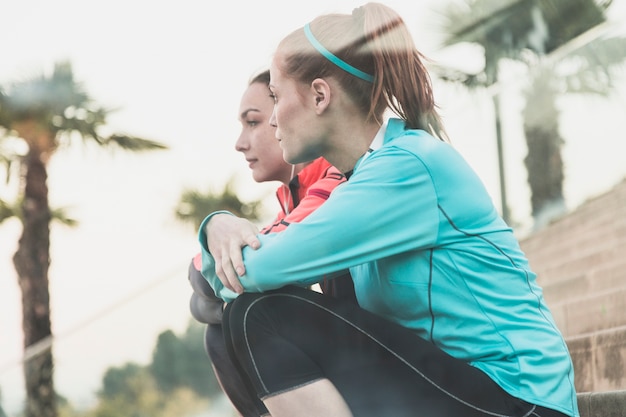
column 320, row 91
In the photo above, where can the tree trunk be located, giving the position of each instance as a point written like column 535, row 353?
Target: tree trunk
column 543, row 162
column 32, row 261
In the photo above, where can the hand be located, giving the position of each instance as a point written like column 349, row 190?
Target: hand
column 226, row 236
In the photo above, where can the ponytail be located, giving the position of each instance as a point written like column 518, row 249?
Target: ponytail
column 373, row 57
column 402, row 81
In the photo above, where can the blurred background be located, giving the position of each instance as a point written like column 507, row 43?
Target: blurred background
column 532, row 93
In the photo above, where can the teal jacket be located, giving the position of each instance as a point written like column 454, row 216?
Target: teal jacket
column 427, row 249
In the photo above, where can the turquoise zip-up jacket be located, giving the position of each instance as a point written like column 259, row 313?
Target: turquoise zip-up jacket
column 427, row 249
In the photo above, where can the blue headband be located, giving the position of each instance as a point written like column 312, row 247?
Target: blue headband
column 335, row 59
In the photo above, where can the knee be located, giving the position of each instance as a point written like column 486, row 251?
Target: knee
column 249, row 316
column 237, row 310
column 214, row 343
column 269, row 306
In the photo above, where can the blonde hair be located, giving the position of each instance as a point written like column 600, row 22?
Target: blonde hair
column 375, row 40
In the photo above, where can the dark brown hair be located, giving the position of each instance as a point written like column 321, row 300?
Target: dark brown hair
column 375, row 40
column 262, row 77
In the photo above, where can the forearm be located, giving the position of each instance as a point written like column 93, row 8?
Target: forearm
column 208, row 262
column 208, row 271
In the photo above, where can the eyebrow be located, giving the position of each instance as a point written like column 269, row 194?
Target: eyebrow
column 244, row 114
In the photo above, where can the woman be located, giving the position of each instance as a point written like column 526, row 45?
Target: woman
column 451, row 321
column 304, row 187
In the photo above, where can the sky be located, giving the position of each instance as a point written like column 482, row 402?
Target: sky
column 175, row 71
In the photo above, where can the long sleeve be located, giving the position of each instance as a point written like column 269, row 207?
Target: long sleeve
column 316, row 181
column 315, row 184
column 427, row 249
column 380, row 196
column 208, row 263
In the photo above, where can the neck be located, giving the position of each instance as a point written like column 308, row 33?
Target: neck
column 352, row 144
column 295, row 170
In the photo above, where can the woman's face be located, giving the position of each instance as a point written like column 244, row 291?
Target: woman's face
column 257, row 140
column 297, row 127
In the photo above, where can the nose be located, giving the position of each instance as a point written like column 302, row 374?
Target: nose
column 242, row 144
column 272, row 120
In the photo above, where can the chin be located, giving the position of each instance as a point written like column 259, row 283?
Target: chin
column 299, row 159
column 288, row 158
column 258, row 178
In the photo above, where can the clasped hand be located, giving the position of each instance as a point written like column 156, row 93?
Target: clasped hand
column 227, row 235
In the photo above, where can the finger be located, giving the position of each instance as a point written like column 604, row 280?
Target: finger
column 233, row 279
column 253, row 241
column 236, row 259
column 222, row 275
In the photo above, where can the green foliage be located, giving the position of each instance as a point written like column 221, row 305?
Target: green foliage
column 542, row 34
column 179, row 381
column 122, row 382
column 8, row 210
column 519, row 30
column 61, row 106
column 151, row 403
column 167, row 362
column 44, row 113
column 198, row 369
column 194, row 205
column 131, row 391
column 183, row 362
column 511, row 26
column 133, row 143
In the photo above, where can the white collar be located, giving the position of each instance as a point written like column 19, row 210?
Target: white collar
column 378, row 140
column 376, row 143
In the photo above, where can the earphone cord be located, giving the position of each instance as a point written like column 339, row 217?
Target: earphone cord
column 287, row 194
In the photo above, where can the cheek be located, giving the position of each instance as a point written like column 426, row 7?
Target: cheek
column 270, row 154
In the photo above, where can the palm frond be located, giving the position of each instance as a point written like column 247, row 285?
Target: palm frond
column 59, row 102
column 10, row 210
column 602, row 53
column 60, row 215
column 44, row 96
column 590, row 69
column 4, row 117
column 7, row 211
column 9, row 155
column 455, row 76
column 515, row 25
column 133, row 143
column 194, row 205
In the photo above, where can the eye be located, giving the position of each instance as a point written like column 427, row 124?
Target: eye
column 273, row 97
column 252, row 123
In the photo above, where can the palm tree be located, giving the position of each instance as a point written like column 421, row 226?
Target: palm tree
column 194, row 205
column 515, row 29
column 585, row 70
column 46, row 113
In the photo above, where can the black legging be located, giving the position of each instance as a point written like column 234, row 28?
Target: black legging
column 240, row 392
column 241, row 395
column 287, row 338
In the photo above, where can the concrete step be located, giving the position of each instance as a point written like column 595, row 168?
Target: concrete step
column 588, row 256
column 598, row 224
column 595, row 279
column 599, row 360
column 602, row 404
column 592, row 313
